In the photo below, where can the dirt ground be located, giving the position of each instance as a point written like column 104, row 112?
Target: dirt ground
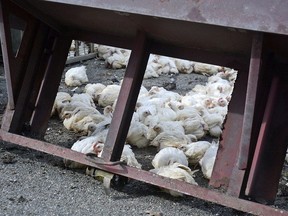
column 34, row 183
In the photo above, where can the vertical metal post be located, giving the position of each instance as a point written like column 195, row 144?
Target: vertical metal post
column 254, row 71
column 127, row 99
column 271, row 145
column 29, row 80
column 230, row 139
column 6, row 44
column 15, row 63
column 50, row 85
column 236, row 178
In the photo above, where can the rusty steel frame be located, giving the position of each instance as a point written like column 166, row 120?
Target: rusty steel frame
column 144, row 176
column 271, row 145
column 34, row 74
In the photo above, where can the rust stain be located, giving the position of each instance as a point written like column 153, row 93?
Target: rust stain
column 263, row 28
column 282, row 28
column 195, row 15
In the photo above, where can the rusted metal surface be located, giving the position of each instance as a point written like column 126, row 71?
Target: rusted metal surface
column 183, row 33
column 264, row 16
column 192, row 30
column 264, row 130
column 6, row 45
column 49, row 86
column 29, row 8
column 22, row 107
column 230, row 141
column 145, row 176
column 15, row 63
column 271, row 146
column 254, row 70
column 127, row 98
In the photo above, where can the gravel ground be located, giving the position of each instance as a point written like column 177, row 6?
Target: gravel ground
column 34, row 183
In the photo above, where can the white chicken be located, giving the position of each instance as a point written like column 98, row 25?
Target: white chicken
column 93, row 89
column 170, row 139
column 174, row 105
column 152, row 67
column 79, row 119
column 199, row 89
column 168, row 156
column 108, row 112
column 61, row 100
column 104, row 51
column 83, row 48
column 83, row 98
column 165, row 126
column 214, row 122
column 176, row 171
column 166, row 114
column 118, row 59
column 220, row 108
column 85, row 146
column 72, row 106
column 137, row 134
column 76, row 76
column 228, row 74
column 195, row 151
column 184, row 66
column 72, row 49
column 129, row 158
column 146, row 110
column 160, row 92
column 100, row 130
column 188, row 112
column 219, row 88
column 195, row 126
column 206, row 69
column 167, row 65
column 189, row 100
column 108, row 95
column 208, row 160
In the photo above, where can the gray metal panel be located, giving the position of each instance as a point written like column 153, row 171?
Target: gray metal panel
column 173, row 29
column 258, row 15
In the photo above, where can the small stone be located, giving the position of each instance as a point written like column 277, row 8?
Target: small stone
column 11, row 199
column 21, row 199
column 151, row 213
column 73, row 186
column 8, row 158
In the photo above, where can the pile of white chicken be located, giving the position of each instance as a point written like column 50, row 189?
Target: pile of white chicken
column 79, row 48
column 175, row 124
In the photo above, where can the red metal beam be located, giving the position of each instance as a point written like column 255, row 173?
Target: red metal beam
column 234, row 14
column 22, row 107
column 40, row 72
column 15, row 64
column 271, row 145
column 6, row 45
column 254, row 71
column 229, row 143
column 145, row 176
column 29, row 8
column 176, row 32
column 127, row 99
column 49, row 87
